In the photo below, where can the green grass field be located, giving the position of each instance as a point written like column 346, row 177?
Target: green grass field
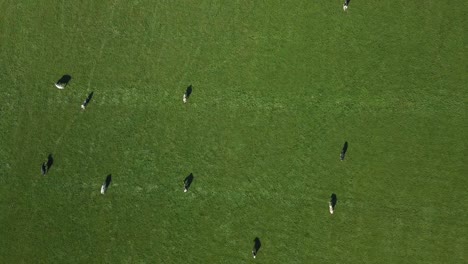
column 278, row 87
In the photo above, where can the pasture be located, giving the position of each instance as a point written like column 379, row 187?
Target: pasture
column 278, row 87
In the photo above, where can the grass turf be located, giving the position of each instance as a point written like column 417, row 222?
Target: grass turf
column 278, row 87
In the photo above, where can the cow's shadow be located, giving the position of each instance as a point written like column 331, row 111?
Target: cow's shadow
column 343, row 151
column 63, row 81
column 257, row 245
column 333, row 200
column 188, row 91
column 50, row 161
column 108, row 181
column 88, row 99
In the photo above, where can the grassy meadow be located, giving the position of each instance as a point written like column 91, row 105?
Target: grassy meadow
column 278, row 87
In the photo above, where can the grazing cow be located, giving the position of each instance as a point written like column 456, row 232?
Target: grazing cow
column 187, row 94
column 63, row 81
column 86, row 101
column 332, row 203
column 256, row 247
column 346, row 4
column 187, row 182
column 106, row 184
column 103, row 188
column 44, row 168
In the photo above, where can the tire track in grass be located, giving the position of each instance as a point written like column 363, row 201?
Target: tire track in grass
column 91, row 74
column 101, row 49
column 189, row 64
column 62, row 15
column 103, row 44
column 98, row 58
column 65, row 131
